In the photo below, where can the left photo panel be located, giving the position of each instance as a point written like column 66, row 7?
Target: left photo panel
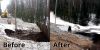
column 24, row 25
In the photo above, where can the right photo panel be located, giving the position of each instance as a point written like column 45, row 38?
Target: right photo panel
column 75, row 24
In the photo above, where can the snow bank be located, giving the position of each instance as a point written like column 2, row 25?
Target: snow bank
column 63, row 25
column 58, row 20
column 27, row 26
column 20, row 24
column 7, row 26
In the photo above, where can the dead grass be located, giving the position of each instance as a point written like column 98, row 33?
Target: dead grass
column 75, row 42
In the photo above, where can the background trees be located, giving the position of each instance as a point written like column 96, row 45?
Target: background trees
column 77, row 11
column 29, row 10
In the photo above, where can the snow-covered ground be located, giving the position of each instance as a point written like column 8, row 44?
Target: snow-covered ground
column 20, row 25
column 63, row 25
column 29, row 45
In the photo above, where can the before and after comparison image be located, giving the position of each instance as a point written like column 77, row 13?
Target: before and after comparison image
column 49, row 24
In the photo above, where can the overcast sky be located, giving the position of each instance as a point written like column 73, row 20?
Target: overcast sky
column 4, row 4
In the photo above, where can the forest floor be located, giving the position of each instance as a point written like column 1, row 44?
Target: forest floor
column 75, row 42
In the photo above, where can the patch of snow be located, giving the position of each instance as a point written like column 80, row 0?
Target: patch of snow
column 58, row 20
column 19, row 20
column 28, row 26
column 92, row 18
column 6, row 26
column 97, row 31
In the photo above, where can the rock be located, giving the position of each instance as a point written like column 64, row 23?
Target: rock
column 8, row 31
column 69, row 29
